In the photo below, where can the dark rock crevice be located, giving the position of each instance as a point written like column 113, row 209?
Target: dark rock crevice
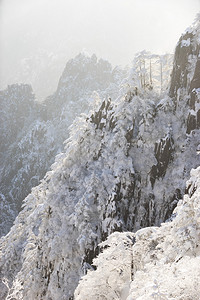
column 164, row 155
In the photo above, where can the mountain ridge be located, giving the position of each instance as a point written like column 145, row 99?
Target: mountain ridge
column 124, row 168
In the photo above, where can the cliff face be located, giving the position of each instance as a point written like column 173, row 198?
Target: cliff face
column 186, row 74
column 124, row 168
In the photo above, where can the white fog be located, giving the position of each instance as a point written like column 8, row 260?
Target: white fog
column 38, row 37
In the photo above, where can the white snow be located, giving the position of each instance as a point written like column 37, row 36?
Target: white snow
column 185, row 43
column 103, row 183
column 163, row 263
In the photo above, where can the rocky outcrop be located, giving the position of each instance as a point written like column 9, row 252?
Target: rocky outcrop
column 163, row 154
column 195, row 84
column 81, row 76
column 179, row 78
column 193, row 120
column 185, row 83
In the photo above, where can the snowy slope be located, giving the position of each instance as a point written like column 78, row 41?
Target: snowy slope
column 33, row 133
column 124, row 167
column 29, row 152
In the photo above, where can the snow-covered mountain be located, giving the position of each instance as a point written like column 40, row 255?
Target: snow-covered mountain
column 32, row 133
column 124, row 167
column 161, row 262
column 155, row 262
column 18, row 110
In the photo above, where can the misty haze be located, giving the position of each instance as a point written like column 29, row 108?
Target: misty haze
column 39, row 37
column 99, row 149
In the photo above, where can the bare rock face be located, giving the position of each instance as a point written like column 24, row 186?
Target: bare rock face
column 180, row 71
column 186, row 75
column 195, row 83
column 193, row 120
column 163, row 154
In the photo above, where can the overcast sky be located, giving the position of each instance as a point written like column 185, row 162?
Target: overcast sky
column 113, row 29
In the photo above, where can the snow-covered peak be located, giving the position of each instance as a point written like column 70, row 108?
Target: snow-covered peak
column 86, row 70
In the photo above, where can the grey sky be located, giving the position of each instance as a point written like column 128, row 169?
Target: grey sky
column 113, row 29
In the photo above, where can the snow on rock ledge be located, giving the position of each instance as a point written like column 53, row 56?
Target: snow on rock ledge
column 156, row 262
